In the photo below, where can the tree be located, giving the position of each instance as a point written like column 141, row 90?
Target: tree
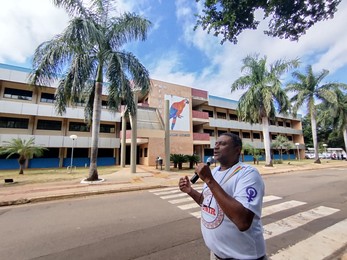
column 264, row 96
column 193, row 160
column 307, row 89
column 288, row 19
column 255, row 152
column 86, row 54
column 26, row 149
column 339, row 113
column 282, row 143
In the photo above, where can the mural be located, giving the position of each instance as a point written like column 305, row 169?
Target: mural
column 179, row 113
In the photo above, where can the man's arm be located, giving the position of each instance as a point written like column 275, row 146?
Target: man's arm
column 185, row 186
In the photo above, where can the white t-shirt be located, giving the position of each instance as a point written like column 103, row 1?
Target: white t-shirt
column 220, row 234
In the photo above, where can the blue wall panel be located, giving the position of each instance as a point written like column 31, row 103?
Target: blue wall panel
column 9, row 164
column 44, row 163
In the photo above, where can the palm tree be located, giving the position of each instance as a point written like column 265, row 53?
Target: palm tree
column 339, row 113
column 264, row 96
column 26, row 149
column 87, row 53
column 307, row 89
column 282, row 143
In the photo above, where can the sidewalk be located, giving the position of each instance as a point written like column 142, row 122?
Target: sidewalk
column 121, row 181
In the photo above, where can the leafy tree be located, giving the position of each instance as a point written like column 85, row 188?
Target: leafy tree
column 339, row 113
column 26, row 149
column 307, row 89
column 282, row 143
column 255, row 152
column 288, row 19
column 87, row 53
column 178, row 159
column 264, row 96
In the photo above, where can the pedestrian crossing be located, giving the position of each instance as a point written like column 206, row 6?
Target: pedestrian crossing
column 317, row 246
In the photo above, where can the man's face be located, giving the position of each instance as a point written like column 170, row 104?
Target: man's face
column 225, row 151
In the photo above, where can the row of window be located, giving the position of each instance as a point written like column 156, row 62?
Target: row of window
column 223, row 115
column 23, row 123
column 246, row 135
column 13, row 93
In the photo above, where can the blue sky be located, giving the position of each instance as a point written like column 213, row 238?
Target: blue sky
column 173, row 51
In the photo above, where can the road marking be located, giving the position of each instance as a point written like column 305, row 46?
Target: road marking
column 163, row 189
column 295, row 221
column 318, row 246
column 174, row 196
column 187, row 199
column 167, row 192
column 270, row 198
column 282, row 206
column 196, row 214
column 189, row 206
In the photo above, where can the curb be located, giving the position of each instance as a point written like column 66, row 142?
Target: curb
column 75, row 195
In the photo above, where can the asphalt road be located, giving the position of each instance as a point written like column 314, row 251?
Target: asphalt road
column 155, row 225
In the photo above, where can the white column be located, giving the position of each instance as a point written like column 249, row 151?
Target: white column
column 167, row 135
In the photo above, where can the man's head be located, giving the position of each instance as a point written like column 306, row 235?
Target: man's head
column 228, row 148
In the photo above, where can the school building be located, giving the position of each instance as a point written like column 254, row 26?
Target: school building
column 196, row 120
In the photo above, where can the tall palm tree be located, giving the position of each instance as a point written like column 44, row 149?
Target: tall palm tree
column 339, row 113
column 264, row 96
column 308, row 90
column 26, row 149
column 87, row 53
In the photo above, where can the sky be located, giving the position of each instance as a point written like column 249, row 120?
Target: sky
column 173, row 51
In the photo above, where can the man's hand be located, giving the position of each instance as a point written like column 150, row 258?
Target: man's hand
column 184, row 185
column 204, row 172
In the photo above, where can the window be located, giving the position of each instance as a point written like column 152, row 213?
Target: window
column 145, row 152
column 256, row 135
column 10, row 122
column 18, row 94
column 104, row 103
column 235, row 133
column 246, row 135
column 273, row 137
column 78, row 127
column 209, row 131
column 48, row 125
column 210, row 113
column 272, row 122
column 233, row 117
column 288, row 124
column 221, row 132
column 107, row 128
column 221, row 115
column 290, row 138
column 280, row 123
column 47, row 98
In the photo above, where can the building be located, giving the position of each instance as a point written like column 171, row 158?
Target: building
column 196, row 120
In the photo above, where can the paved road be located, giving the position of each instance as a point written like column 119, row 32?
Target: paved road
column 305, row 217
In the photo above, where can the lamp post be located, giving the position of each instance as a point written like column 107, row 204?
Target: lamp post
column 297, row 149
column 325, row 149
column 73, row 137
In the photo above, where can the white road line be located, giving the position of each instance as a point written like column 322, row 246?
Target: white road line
column 188, row 199
column 196, row 214
column 174, row 196
column 295, row 221
column 189, row 206
column 164, row 189
column 168, row 192
column 271, row 198
column 319, row 246
column 282, row 206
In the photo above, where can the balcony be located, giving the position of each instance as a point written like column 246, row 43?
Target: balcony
column 200, row 117
column 201, row 138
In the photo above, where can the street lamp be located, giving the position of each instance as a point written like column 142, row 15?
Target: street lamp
column 297, row 148
column 73, row 137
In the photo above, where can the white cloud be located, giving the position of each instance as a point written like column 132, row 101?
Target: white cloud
column 25, row 24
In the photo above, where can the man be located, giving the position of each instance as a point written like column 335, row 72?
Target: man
column 231, row 203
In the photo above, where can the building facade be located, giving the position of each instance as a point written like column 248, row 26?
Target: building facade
column 196, row 119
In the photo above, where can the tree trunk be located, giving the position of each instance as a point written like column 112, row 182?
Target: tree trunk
column 314, row 135
column 21, row 162
column 266, row 135
column 93, row 171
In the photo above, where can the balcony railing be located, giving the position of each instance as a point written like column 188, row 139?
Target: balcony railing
column 198, row 93
column 201, row 137
column 200, row 114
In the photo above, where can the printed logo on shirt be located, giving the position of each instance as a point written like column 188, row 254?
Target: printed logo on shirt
column 251, row 193
column 211, row 214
